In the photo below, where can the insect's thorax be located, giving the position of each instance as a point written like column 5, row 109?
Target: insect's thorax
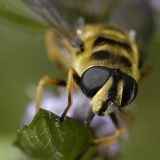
column 107, row 46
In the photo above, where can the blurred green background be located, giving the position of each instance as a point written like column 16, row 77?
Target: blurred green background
column 23, row 61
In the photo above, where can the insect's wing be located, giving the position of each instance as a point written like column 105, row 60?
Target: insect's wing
column 135, row 16
column 64, row 16
column 49, row 11
column 58, row 45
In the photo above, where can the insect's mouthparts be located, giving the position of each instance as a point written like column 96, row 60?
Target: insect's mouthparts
column 107, row 108
column 111, row 107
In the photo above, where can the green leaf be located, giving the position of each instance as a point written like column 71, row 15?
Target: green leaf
column 43, row 140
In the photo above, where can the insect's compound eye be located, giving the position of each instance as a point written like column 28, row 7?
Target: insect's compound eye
column 93, row 79
column 130, row 89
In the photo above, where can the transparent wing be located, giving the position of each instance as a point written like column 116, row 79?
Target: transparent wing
column 138, row 16
column 65, row 18
column 68, row 11
column 49, row 11
column 126, row 14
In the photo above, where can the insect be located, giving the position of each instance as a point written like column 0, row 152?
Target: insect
column 102, row 61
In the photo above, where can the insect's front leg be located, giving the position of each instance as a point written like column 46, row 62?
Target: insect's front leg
column 120, row 130
column 72, row 77
column 107, row 139
column 89, row 117
column 43, row 81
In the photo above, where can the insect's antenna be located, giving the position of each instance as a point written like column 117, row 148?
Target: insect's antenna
column 46, row 10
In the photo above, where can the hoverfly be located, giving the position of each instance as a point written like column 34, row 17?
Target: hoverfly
column 102, row 61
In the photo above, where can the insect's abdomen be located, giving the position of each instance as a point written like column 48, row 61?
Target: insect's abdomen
column 106, row 46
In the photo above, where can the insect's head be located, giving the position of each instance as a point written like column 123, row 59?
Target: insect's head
column 108, row 89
